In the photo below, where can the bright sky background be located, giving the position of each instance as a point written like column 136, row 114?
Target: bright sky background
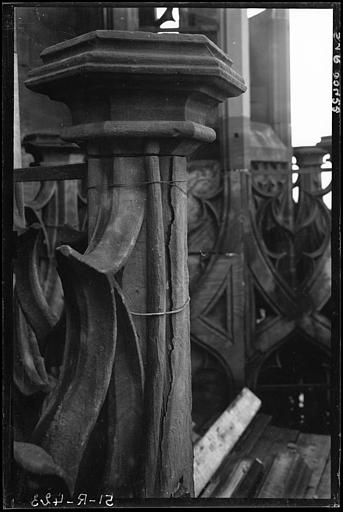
column 311, row 71
column 311, row 74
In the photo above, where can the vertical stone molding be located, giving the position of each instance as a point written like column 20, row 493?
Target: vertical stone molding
column 140, row 103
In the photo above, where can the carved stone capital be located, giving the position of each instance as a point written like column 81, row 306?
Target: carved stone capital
column 138, row 77
column 309, row 156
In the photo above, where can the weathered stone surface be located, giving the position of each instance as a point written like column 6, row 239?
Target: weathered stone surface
column 140, row 102
column 130, row 60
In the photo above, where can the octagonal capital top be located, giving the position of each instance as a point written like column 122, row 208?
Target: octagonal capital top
column 121, row 59
column 132, row 85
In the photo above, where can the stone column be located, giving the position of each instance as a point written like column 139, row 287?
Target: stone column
column 234, row 40
column 270, row 71
column 140, row 103
column 309, row 159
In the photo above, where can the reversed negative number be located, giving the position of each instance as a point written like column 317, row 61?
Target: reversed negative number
column 82, row 500
column 336, row 91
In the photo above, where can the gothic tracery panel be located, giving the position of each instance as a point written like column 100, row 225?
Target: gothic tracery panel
column 289, row 258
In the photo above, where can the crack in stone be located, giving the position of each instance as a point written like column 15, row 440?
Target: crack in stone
column 170, row 320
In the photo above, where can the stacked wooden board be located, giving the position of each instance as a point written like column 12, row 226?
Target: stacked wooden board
column 243, row 456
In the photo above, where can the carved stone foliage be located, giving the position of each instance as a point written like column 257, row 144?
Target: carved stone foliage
column 57, row 358
column 288, row 250
column 101, row 425
column 54, row 330
column 51, row 217
column 57, row 206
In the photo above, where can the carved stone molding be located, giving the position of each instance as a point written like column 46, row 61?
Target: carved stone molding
column 140, row 102
column 289, row 257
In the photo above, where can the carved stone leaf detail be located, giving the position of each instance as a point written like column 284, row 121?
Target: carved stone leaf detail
column 28, row 288
column 74, row 405
column 91, row 364
column 36, row 461
column 30, row 374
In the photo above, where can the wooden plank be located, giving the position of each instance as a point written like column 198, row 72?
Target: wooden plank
column 315, row 450
column 288, row 476
column 251, row 434
column 51, row 172
column 298, row 479
column 250, row 484
column 213, row 447
column 227, row 489
column 324, row 487
column 241, row 450
column 271, row 442
column 274, row 484
column 219, row 478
